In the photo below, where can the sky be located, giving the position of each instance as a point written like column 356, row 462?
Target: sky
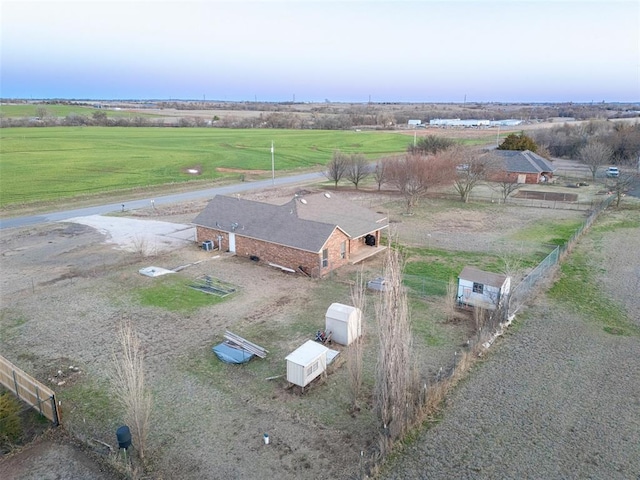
column 317, row 51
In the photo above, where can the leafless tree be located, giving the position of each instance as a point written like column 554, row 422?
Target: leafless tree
column 337, row 167
column 380, row 172
column 505, row 186
column 451, row 299
column 128, row 383
column 472, row 168
column 356, row 349
column 595, row 154
column 621, row 185
column 358, row 169
column 412, row 175
column 394, row 388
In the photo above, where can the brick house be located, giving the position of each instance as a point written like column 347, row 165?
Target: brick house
column 312, row 234
column 524, row 166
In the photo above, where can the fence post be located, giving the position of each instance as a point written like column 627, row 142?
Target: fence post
column 54, row 409
column 15, row 383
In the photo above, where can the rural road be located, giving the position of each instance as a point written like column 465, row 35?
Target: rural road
column 163, row 200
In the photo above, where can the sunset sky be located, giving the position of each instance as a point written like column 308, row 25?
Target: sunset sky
column 312, row 51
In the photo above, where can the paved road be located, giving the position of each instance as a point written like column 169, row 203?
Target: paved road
column 163, row 200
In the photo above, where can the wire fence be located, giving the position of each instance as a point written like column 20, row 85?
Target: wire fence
column 424, row 286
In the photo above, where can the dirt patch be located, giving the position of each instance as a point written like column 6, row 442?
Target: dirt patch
column 56, row 455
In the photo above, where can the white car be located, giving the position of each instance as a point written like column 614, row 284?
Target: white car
column 613, row 172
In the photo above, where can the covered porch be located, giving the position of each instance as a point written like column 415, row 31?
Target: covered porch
column 365, row 253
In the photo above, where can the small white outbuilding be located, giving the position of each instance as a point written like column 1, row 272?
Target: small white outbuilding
column 344, row 322
column 477, row 288
column 306, row 363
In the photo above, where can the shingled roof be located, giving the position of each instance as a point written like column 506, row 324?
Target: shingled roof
column 473, row 274
column 525, row 161
column 298, row 223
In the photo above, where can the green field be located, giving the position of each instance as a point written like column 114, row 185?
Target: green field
column 32, row 110
column 57, row 163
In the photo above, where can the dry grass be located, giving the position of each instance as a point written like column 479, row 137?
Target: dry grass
column 128, row 383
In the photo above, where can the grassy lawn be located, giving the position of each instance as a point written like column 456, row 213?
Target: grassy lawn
column 549, row 233
column 44, row 164
column 174, row 293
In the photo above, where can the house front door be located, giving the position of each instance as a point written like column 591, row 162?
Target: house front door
column 232, row 242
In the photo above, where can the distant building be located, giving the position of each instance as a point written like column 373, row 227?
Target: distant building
column 415, row 123
column 456, row 122
column 524, row 166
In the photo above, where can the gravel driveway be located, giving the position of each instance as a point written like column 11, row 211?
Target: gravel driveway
column 557, row 399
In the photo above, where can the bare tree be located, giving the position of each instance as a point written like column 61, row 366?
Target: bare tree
column 414, row 174
column 380, row 172
column 621, row 185
column 355, row 350
column 358, row 169
column 337, row 167
column 394, row 388
column 128, row 382
column 472, row 169
column 505, row 187
column 451, row 299
column 595, row 154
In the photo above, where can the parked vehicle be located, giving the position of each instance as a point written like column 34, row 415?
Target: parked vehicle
column 613, row 172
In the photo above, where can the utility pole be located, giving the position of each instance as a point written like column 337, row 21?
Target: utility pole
column 273, row 166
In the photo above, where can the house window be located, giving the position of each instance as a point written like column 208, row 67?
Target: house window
column 343, row 250
column 311, row 368
column 325, row 258
column 478, row 288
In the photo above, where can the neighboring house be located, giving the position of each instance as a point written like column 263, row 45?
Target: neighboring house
column 311, row 234
column 525, row 166
column 477, row 288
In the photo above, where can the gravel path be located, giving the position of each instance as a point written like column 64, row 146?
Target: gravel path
column 557, row 399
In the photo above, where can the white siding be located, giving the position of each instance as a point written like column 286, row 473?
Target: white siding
column 344, row 322
column 306, row 363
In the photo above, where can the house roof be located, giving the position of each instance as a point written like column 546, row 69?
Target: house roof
column 354, row 220
column 298, row 224
column 476, row 275
column 524, row 161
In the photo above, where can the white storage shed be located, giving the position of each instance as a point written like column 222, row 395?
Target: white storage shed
column 477, row 288
column 306, row 363
column 344, row 322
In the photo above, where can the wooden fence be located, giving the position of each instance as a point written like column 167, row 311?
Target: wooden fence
column 29, row 390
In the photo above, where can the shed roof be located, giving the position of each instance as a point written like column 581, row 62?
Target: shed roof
column 306, row 353
column 474, row 274
column 341, row 312
column 525, row 161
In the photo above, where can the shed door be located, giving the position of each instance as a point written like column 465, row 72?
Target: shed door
column 232, row 242
column 522, row 178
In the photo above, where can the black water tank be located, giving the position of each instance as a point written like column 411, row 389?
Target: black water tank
column 124, row 437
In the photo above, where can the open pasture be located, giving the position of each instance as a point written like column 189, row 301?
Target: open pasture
column 39, row 164
column 33, row 110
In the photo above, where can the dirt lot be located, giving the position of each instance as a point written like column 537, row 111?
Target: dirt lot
column 65, row 290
